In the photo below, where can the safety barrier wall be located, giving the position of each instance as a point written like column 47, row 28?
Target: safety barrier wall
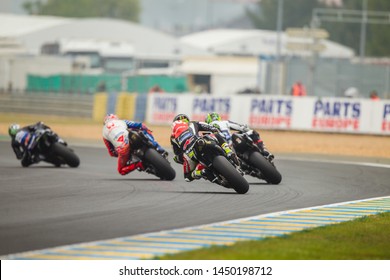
column 122, row 104
column 341, row 115
column 125, row 105
column 47, row 104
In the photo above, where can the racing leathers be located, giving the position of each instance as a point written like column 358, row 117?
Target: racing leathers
column 115, row 137
column 183, row 138
column 23, row 143
column 226, row 126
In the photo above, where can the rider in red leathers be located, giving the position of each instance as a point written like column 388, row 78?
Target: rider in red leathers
column 183, row 137
column 115, row 137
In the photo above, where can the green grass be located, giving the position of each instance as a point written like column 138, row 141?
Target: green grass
column 366, row 238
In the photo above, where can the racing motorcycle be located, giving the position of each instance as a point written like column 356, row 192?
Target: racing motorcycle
column 252, row 161
column 49, row 147
column 219, row 169
column 154, row 162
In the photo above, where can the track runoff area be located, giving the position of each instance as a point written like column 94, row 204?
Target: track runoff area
column 132, row 252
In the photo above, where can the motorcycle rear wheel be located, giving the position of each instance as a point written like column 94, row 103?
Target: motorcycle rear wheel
column 63, row 153
column 270, row 173
column 227, row 170
column 163, row 168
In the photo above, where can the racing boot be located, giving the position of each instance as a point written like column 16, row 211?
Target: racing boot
column 202, row 172
column 207, row 174
column 227, row 149
column 162, row 151
column 197, row 173
column 135, row 165
column 26, row 159
column 230, row 154
column 264, row 151
column 164, row 154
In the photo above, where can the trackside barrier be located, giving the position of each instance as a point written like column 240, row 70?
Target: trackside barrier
column 122, row 104
column 140, row 107
column 125, row 106
column 68, row 105
column 342, row 115
column 99, row 106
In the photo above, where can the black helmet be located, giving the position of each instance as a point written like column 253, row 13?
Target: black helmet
column 181, row 117
column 13, row 129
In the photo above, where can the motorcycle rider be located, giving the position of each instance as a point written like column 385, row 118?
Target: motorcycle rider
column 115, row 137
column 22, row 140
column 215, row 120
column 184, row 135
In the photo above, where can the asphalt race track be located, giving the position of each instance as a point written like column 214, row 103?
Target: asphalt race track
column 43, row 206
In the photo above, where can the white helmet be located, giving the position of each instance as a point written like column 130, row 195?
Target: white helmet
column 109, row 117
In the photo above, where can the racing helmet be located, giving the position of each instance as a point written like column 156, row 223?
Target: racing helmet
column 13, row 129
column 212, row 117
column 109, row 117
column 181, row 117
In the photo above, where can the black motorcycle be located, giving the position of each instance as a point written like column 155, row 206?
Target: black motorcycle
column 252, row 161
column 219, row 169
column 49, row 147
column 154, row 162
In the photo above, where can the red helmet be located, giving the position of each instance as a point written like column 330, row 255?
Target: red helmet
column 178, row 127
column 110, row 117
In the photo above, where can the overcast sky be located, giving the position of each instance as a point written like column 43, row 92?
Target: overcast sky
column 11, row 6
column 172, row 15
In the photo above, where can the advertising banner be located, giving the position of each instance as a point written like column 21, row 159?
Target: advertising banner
column 385, row 122
column 162, row 108
column 343, row 115
column 202, row 105
column 270, row 112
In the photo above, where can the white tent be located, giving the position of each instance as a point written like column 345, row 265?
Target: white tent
column 34, row 31
column 259, row 43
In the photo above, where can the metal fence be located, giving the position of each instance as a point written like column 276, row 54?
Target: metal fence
column 89, row 84
column 332, row 77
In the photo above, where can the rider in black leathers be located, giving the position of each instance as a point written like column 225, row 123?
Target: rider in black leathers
column 184, row 135
column 22, row 140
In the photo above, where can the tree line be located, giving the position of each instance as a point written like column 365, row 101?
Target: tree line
column 298, row 13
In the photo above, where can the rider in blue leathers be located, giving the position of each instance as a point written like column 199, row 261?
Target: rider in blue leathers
column 22, row 140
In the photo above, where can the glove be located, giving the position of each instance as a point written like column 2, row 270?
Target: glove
column 246, row 128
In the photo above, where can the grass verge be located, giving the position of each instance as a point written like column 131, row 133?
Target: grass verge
column 366, row 238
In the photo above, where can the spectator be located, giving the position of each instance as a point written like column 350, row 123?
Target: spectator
column 254, row 90
column 374, row 95
column 298, row 89
column 199, row 89
column 156, row 88
column 351, row 92
column 102, row 86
